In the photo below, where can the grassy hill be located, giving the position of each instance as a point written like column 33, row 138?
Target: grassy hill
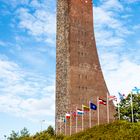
column 114, row 131
column 119, row 130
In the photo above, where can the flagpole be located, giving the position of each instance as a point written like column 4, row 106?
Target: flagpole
column 76, row 119
column 132, row 108
column 60, row 125
column 57, row 126
column 119, row 111
column 65, row 126
column 107, row 109
column 98, row 109
column 89, row 115
column 82, row 119
column 70, row 122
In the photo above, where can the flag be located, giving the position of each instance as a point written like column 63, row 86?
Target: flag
column 122, row 96
column 93, row 106
column 110, row 98
column 73, row 114
column 85, row 108
column 80, row 112
column 64, row 120
column 136, row 90
column 67, row 116
column 101, row 101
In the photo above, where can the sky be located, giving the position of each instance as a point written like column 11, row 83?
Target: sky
column 28, row 57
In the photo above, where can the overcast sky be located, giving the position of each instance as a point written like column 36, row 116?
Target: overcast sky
column 27, row 57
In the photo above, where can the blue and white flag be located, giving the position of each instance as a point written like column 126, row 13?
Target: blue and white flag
column 136, row 90
column 121, row 96
column 80, row 112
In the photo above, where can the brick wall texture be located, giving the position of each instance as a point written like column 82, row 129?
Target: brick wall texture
column 79, row 77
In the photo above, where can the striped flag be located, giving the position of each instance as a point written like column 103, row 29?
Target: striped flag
column 67, row 115
column 101, row 101
column 110, row 98
column 80, row 111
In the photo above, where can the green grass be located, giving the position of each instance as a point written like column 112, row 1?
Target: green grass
column 119, row 130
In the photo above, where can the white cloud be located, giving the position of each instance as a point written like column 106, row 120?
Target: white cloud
column 136, row 27
column 31, row 109
column 2, row 43
column 107, row 39
column 41, row 23
column 34, row 58
column 126, row 76
column 109, row 29
column 25, row 94
column 15, row 3
column 121, row 73
column 131, row 1
column 112, row 4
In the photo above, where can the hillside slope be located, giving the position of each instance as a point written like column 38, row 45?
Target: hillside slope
column 114, row 131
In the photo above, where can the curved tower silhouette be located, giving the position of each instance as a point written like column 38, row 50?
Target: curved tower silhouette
column 79, row 78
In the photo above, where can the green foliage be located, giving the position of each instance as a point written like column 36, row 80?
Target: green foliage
column 50, row 130
column 125, row 108
column 42, row 136
column 24, row 132
column 45, row 135
column 13, row 136
column 23, row 135
column 59, row 137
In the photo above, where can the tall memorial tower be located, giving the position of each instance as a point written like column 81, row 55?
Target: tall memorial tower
column 79, row 77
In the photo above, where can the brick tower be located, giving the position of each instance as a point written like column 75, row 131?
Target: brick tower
column 79, row 78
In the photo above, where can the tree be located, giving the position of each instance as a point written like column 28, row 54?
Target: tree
column 13, row 136
column 44, row 135
column 24, row 132
column 24, row 135
column 125, row 108
column 50, row 130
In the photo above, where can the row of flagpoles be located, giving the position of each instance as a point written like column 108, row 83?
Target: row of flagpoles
column 92, row 106
column 83, row 111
